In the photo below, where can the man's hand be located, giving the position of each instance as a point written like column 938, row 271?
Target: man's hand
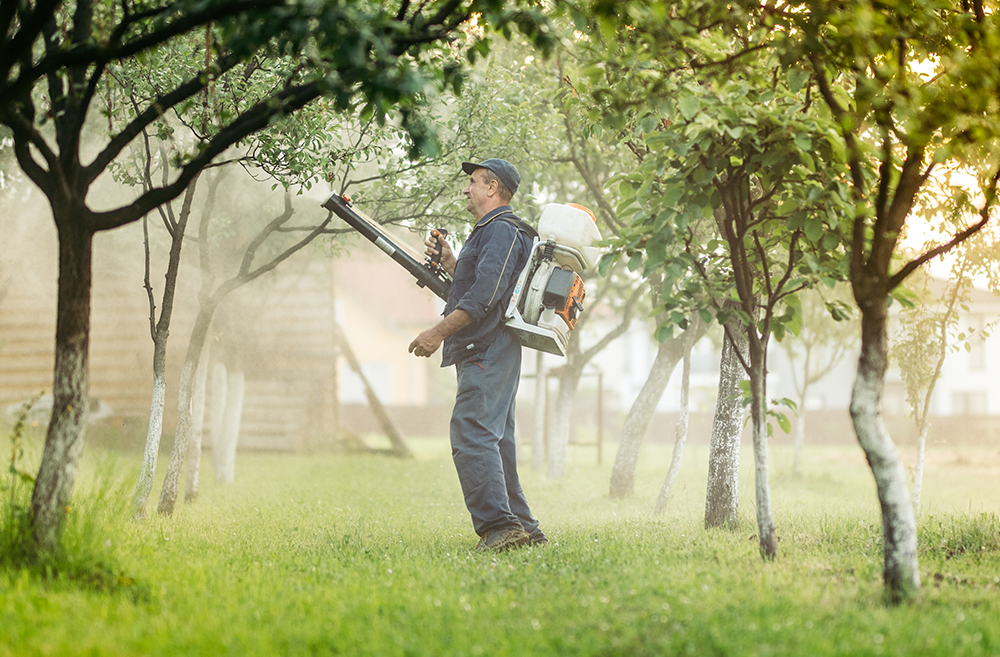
column 430, row 340
column 435, row 244
column 426, row 343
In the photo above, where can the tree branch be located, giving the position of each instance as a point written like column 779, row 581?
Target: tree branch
column 144, row 119
column 255, row 118
column 959, row 237
column 251, row 250
column 86, row 54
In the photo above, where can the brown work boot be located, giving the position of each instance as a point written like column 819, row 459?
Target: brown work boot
column 501, row 540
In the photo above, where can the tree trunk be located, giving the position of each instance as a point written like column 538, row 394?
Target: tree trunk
column 153, row 432
column 800, row 436
column 538, row 437
column 225, row 446
column 768, row 540
column 161, row 332
column 197, row 431
column 185, row 393
column 901, row 572
column 64, row 440
column 918, row 471
column 680, row 439
column 722, row 500
column 668, row 354
column 218, row 410
column 562, row 415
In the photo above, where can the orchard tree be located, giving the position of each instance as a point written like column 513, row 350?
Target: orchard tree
column 826, row 336
column 669, row 352
column 316, row 143
column 929, row 331
column 735, row 197
column 912, row 89
column 373, row 59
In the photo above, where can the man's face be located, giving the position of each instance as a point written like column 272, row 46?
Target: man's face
column 478, row 193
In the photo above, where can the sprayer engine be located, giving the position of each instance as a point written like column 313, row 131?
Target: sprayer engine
column 549, row 294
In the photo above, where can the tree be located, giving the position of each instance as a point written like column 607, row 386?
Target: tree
column 912, row 89
column 734, row 146
column 176, row 226
column 285, row 152
column 680, row 435
column 669, row 353
column 374, row 58
column 826, row 335
column 577, row 357
column 722, row 494
column 928, row 332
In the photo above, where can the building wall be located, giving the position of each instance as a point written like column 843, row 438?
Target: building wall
column 279, row 329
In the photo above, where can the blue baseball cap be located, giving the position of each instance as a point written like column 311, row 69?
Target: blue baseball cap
column 503, row 170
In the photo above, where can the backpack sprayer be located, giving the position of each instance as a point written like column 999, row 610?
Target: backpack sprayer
column 549, row 294
column 548, row 297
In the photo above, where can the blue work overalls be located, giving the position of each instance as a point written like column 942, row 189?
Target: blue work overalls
column 487, row 357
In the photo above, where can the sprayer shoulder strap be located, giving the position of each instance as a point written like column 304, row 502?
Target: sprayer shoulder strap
column 518, row 223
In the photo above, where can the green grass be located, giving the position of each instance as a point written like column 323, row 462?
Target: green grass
column 360, row 555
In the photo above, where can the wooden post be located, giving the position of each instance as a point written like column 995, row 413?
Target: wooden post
column 399, row 446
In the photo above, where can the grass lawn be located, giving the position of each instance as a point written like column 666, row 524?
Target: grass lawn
column 364, row 555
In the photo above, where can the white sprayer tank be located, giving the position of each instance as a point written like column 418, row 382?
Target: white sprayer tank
column 572, row 227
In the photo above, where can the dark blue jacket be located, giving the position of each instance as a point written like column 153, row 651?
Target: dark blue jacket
column 488, row 266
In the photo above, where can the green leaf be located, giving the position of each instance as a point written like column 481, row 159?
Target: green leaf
column 664, row 332
column 814, row 229
column 796, row 79
column 672, row 196
column 635, row 261
column 690, row 106
column 783, row 422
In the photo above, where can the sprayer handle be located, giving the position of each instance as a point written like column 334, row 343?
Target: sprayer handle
column 438, row 234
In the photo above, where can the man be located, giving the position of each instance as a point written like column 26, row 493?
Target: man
column 486, row 355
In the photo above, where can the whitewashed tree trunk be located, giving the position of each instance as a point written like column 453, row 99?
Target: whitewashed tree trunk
column 722, row 500
column 197, row 431
column 161, row 332
column 901, row 573
column 668, row 354
column 538, row 437
column 680, row 437
column 562, row 414
column 171, row 484
column 225, row 466
column 767, row 538
column 152, row 447
column 918, row 470
column 217, row 410
column 185, row 394
column 638, row 418
column 800, row 437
